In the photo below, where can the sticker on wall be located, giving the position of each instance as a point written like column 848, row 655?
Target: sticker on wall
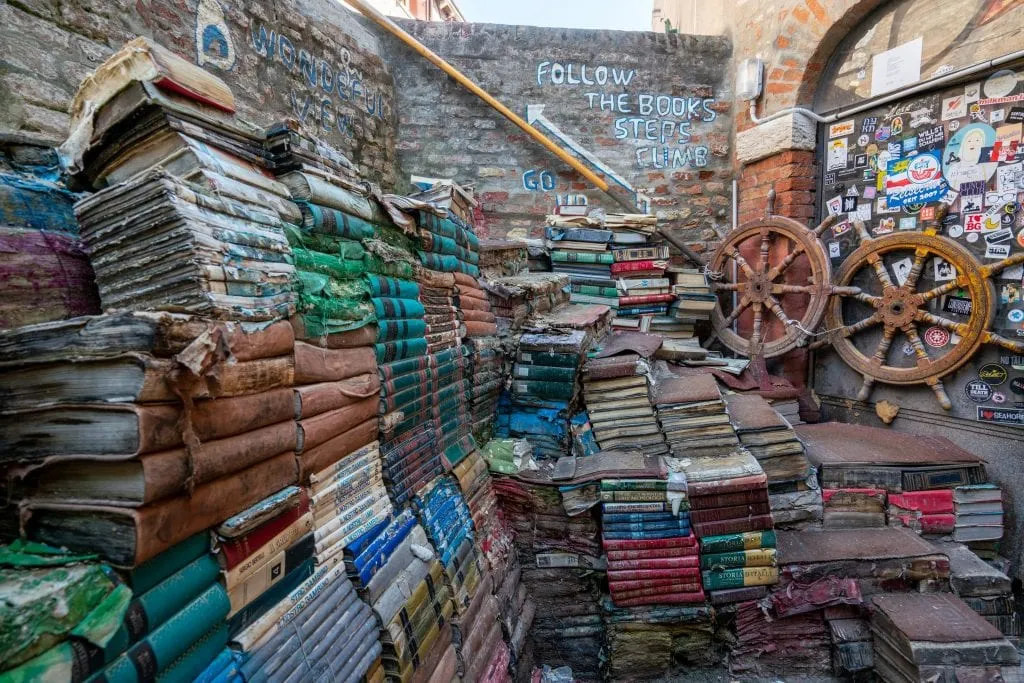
column 834, row 250
column 849, row 203
column 1001, row 83
column 997, row 252
column 954, row 125
column 885, row 226
column 978, row 391
column 957, row 305
column 1007, row 416
column 972, row 237
column 999, row 397
column 834, row 206
column 863, row 212
column 841, row 228
column 838, row 152
column 997, row 116
column 1008, row 179
column 882, row 133
column 863, row 140
column 882, row 206
column 916, row 180
column 976, row 113
column 1015, row 315
column 1003, row 236
column 936, row 337
column 897, row 125
column 860, row 160
column 972, row 92
column 954, row 107
column 921, row 117
column 901, row 270
column 908, row 223
column 955, row 231
column 944, row 270
column 964, row 159
column 841, row 129
column 909, row 145
column 930, row 138
column 1016, row 115
column 1009, row 294
column 1017, row 385
column 868, row 124
column 993, row 374
column 870, row 192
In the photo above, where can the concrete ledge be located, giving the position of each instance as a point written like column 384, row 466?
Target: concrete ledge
column 795, row 131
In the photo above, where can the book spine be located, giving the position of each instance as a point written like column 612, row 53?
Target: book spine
column 632, row 585
column 270, row 573
column 151, row 573
column 643, row 283
column 645, row 299
column 672, row 599
column 732, row 512
column 640, row 254
column 761, row 557
column 650, row 554
column 740, row 578
column 263, row 603
column 689, row 562
column 634, row 266
column 732, row 526
column 941, row 479
column 937, row 524
column 687, row 587
column 650, row 543
column 160, row 603
column 634, row 485
column 741, row 541
column 632, row 508
column 642, row 310
column 682, row 573
column 607, row 292
column 235, row 550
column 652, row 496
column 637, row 518
column 250, row 565
column 928, row 502
column 590, row 257
column 717, row 487
column 852, row 478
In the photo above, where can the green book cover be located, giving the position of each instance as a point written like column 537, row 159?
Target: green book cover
column 739, row 578
column 188, row 667
column 750, row 540
column 634, row 485
column 158, row 651
column 633, row 496
column 544, row 373
column 610, row 292
column 560, row 360
column 547, row 390
column 761, row 557
column 604, row 257
column 152, row 572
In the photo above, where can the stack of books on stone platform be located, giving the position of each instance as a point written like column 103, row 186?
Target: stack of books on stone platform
column 693, row 415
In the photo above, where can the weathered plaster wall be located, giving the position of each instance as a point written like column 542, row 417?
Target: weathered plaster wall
column 654, row 109
column 306, row 59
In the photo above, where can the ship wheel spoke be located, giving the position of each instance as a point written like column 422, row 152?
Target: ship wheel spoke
column 766, row 243
column 920, row 254
column 735, row 255
column 915, row 342
column 793, row 289
column 998, row 267
column 727, row 286
column 945, row 323
column 881, row 353
column 880, row 272
column 775, row 307
column 755, row 335
column 785, row 263
column 940, row 392
column 740, row 307
column 925, row 297
column 1009, row 344
column 848, row 331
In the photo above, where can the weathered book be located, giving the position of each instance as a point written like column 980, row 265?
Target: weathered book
column 848, row 519
column 646, row 265
column 562, row 256
column 232, row 551
column 314, row 399
column 939, row 629
column 314, row 365
column 645, row 544
column 678, row 390
column 758, row 557
column 578, row 235
column 158, row 569
column 740, row 578
column 854, row 500
column 607, row 465
column 121, row 430
column 128, row 537
column 733, row 526
column 703, row 473
column 650, row 553
column 689, row 561
column 717, row 514
column 316, row 430
column 266, row 575
column 252, row 564
column 740, row 542
column 260, row 512
column 862, row 553
column 926, row 502
column 678, row 573
column 672, row 599
column 155, row 476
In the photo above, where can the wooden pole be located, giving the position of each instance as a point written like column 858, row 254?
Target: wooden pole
column 393, row 28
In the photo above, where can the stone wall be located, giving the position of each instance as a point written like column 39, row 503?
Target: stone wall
column 653, row 110
column 307, row 59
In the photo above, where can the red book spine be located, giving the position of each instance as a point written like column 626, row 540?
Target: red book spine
column 732, row 512
column 237, row 549
column 660, row 590
column 649, row 543
column 721, row 500
column 637, row 574
column 630, row 266
column 674, row 599
column 733, row 526
column 937, row 524
column 645, row 583
column 719, row 486
column 646, row 299
column 655, row 563
column 651, row 553
column 936, row 502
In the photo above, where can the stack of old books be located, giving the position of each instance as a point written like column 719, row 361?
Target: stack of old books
column 265, row 552
column 502, row 258
column 655, row 642
column 447, row 244
column 559, row 556
column 449, row 525
column 985, row 589
column 767, row 644
column 515, row 298
column 516, row 608
column 320, row 627
column 486, row 367
column 47, row 273
column 792, row 484
column 615, row 389
column 492, row 534
column 473, row 308
column 642, row 291
column 853, row 508
column 694, row 300
column 979, row 518
column 123, row 455
column 583, row 254
column 453, row 398
column 401, row 326
column 738, row 565
column 545, row 390
column 926, row 512
column 208, row 221
column 693, row 415
column 935, row 636
column 729, row 495
column 68, row 615
column 437, row 295
column 652, row 553
column 643, row 296
column 411, row 460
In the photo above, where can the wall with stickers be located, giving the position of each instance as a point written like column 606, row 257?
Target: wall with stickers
column 951, row 163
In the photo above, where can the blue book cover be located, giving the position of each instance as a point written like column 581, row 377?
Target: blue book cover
column 578, row 234
column 614, row 517
column 644, row 535
column 647, row 526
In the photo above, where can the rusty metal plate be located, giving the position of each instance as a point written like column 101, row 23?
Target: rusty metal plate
column 836, row 443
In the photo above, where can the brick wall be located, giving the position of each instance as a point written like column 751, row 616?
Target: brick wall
column 791, row 173
column 446, row 131
column 307, row 59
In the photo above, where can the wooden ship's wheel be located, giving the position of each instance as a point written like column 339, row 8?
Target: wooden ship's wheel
column 795, row 290
column 880, row 323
